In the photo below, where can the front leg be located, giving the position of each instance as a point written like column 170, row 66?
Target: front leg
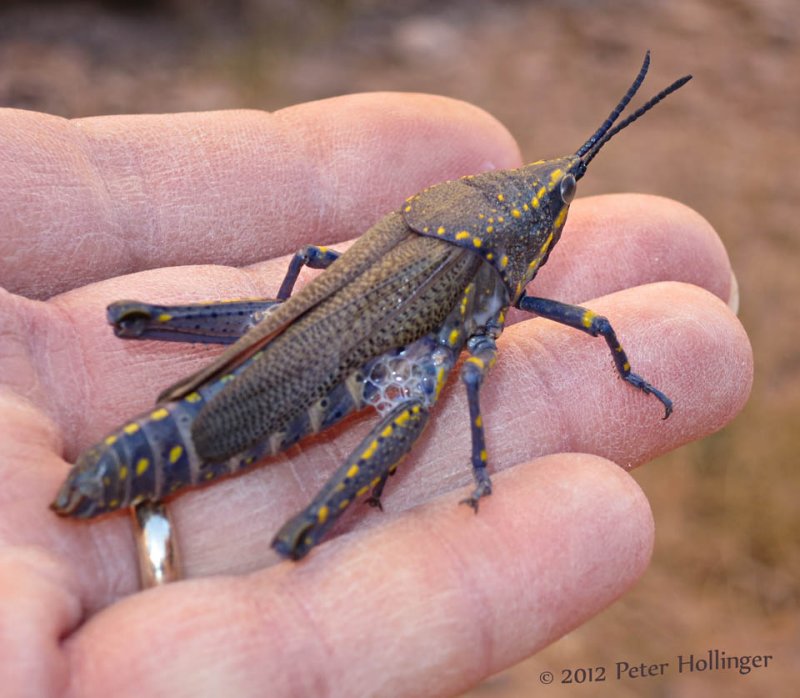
column 596, row 325
column 219, row 322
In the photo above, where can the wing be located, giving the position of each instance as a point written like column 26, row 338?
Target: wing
column 404, row 296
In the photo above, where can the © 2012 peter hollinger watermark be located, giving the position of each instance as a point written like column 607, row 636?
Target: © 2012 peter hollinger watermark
column 711, row 660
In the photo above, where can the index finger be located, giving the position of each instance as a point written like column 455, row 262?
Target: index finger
column 94, row 198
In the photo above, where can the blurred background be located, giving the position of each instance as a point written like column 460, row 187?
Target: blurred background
column 727, row 561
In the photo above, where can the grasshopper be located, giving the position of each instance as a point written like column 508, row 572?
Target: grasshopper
column 382, row 327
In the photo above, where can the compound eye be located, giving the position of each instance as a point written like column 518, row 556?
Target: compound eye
column 568, row 187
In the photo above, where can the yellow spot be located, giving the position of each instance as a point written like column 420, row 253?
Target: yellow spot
column 353, row 471
column 131, row 428
column 501, row 318
column 477, row 361
column 110, row 440
column 541, row 193
column 209, row 475
column 556, row 175
column 370, row 450
column 344, row 504
column 500, row 197
column 407, row 209
column 490, row 256
column 106, row 481
column 226, row 378
column 516, row 213
column 362, row 491
column 462, row 235
column 193, row 397
column 626, row 367
column 504, row 261
column 123, row 472
column 415, row 410
column 175, row 453
column 489, row 228
column 387, row 432
column 479, row 421
column 164, row 317
column 491, row 220
column 322, row 514
column 141, row 466
column 440, row 230
column 339, row 487
column 453, row 338
column 402, row 418
column 500, row 219
column 587, row 317
column 481, row 216
column 561, row 217
column 484, row 455
column 525, row 207
column 375, row 482
column 323, row 249
column 160, row 413
column 113, row 504
column 426, row 229
column 439, row 380
column 477, row 242
column 535, row 202
column 618, row 348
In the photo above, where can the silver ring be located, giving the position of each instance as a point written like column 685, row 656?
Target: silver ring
column 157, row 548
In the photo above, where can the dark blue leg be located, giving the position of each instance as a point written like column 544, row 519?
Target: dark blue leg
column 473, row 371
column 367, row 467
column 596, row 325
column 219, row 322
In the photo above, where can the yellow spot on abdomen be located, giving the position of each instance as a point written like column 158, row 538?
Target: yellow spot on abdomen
column 454, row 335
column 353, row 471
column 175, row 453
column 476, row 242
column 160, row 413
column 362, row 491
column 193, row 397
column 440, row 230
column 402, row 418
column 123, row 472
column 110, row 440
column 500, row 197
column 462, row 235
column 131, row 428
column 164, row 317
column 141, row 466
column 516, row 213
column 586, row 319
column 322, row 514
column 387, row 432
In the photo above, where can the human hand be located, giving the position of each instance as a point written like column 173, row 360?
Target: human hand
column 426, row 594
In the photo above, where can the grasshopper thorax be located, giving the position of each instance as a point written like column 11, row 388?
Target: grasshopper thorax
column 514, row 218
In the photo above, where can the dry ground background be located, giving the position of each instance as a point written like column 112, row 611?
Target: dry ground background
column 727, row 560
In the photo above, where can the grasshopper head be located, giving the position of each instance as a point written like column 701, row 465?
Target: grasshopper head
column 91, row 486
column 554, row 183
